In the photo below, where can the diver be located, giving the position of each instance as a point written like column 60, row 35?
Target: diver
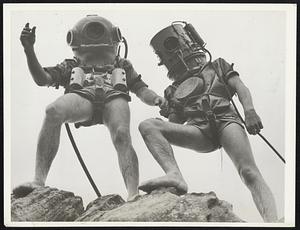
column 201, row 115
column 97, row 84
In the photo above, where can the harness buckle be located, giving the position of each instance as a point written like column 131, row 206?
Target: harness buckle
column 211, row 115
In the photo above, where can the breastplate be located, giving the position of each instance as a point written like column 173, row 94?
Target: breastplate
column 99, row 75
column 97, row 78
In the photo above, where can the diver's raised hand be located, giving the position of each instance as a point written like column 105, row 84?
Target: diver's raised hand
column 28, row 36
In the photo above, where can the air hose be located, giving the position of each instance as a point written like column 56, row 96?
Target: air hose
column 81, row 160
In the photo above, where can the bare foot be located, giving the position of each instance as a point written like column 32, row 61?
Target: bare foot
column 133, row 198
column 24, row 189
column 169, row 180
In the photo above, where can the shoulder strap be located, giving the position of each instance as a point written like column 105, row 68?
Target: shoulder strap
column 218, row 69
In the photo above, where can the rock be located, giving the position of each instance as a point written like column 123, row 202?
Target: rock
column 46, row 204
column 49, row 204
column 164, row 205
column 97, row 208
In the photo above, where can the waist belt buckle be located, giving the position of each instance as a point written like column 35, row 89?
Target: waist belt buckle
column 211, row 116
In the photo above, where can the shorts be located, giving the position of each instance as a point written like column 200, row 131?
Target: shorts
column 222, row 120
column 98, row 95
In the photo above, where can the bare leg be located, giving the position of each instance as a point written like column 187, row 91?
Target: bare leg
column 158, row 135
column 235, row 142
column 117, row 118
column 67, row 108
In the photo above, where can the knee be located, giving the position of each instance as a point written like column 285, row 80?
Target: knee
column 121, row 136
column 149, row 126
column 249, row 175
column 55, row 113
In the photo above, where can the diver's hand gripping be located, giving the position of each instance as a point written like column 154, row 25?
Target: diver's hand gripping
column 253, row 122
column 160, row 101
column 163, row 105
column 28, row 37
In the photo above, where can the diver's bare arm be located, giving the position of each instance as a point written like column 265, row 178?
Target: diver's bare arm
column 252, row 120
column 243, row 93
column 27, row 39
column 39, row 75
column 148, row 96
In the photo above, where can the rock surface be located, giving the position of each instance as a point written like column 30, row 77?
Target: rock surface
column 48, row 204
column 97, row 208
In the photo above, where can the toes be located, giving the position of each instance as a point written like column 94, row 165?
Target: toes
column 145, row 185
column 147, row 188
column 141, row 186
column 144, row 188
column 150, row 186
column 181, row 191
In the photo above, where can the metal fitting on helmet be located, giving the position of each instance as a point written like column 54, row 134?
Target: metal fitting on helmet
column 93, row 31
column 179, row 48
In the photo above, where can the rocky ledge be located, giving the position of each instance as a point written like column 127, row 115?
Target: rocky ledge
column 50, row 204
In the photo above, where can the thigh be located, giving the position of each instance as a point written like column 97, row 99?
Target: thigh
column 116, row 113
column 73, row 107
column 235, row 141
column 186, row 136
